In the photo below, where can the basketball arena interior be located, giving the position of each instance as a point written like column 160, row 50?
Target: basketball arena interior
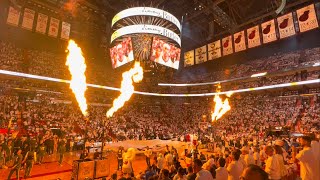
column 160, row 89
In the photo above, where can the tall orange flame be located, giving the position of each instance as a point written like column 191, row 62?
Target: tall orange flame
column 77, row 67
column 220, row 107
column 135, row 74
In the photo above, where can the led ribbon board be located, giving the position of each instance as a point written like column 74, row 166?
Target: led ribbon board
column 31, row 76
column 146, row 29
column 146, row 11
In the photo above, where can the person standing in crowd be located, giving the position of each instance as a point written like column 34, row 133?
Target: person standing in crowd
column 29, row 159
column 160, row 161
column 309, row 168
column 191, row 175
column 280, row 160
column 96, row 154
column 221, row 172
column 16, row 165
column 254, row 172
column 256, row 157
column 84, row 155
column 61, row 150
column 148, row 154
column 41, row 153
column 169, row 159
column 235, row 168
column 120, row 158
column 272, row 165
column 202, row 174
column 180, row 175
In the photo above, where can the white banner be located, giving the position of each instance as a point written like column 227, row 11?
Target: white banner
column 286, row 26
column 268, row 31
column 146, row 11
column 13, row 16
column 189, row 58
column 201, row 54
column 42, row 23
column 54, row 27
column 214, row 50
column 65, row 31
column 227, row 46
column 253, row 36
column 239, row 41
column 149, row 29
column 28, row 19
column 307, row 18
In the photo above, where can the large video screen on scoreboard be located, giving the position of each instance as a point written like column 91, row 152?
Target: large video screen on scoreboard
column 165, row 53
column 122, row 53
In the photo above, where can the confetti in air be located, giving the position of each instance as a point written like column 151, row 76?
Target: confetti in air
column 77, row 68
column 221, row 107
column 135, row 74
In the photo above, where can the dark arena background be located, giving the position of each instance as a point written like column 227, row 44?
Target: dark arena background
column 160, row 89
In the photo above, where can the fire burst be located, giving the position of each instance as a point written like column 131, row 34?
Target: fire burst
column 77, row 68
column 220, row 107
column 133, row 75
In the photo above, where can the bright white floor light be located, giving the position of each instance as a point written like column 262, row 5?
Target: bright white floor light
column 314, row 81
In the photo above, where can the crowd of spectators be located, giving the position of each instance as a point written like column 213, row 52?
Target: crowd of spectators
column 34, row 112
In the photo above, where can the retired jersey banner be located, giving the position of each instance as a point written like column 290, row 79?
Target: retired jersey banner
column 253, row 36
column 307, row 18
column 286, row 26
column 214, row 50
column 227, row 46
column 65, row 31
column 13, row 16
column 189, row 58
column 239, row 41
column 42, row 23
column 201, row 54
column 268, row 31
column 54, row 27
column 28, row 19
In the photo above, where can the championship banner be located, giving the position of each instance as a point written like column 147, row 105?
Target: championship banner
column 227, row 46
column 307, row 18
column 253, row 36
column 239, row 41
column 42, row 23
column 286, row 26
column 214, row 50
column 28, row 18
column 189, row 58
column 13, row 16
column 65, row 31
column 268, row 31
column 201, row 54
column 54, row 27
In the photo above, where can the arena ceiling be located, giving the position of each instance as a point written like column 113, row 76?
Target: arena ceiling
column 205, row 20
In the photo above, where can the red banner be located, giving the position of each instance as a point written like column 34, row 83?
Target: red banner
column 65, row 31
column 239, row 41
column 286, row 26
column 253, row 36
column 42, row 23
column 54, row 27
column 227, row 46
column 28, row 18
column 307, row 18
column 268, row 31
column 189, row 58
column 201, row 54
column 13, row 16
column 214, row 50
